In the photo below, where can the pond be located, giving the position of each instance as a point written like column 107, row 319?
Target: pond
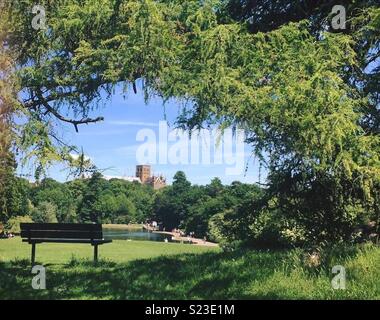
column 118, row 234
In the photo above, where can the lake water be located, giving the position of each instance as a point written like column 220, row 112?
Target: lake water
column 118, row 234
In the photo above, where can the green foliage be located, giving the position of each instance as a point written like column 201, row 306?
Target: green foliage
column 288, row 91
column 133, row 200
column 13, row 224
column 45, row 212
column 126, row 208
column 115, row 201
column 190, row 207
column 303, row 95
column 56, row 193
column 14, row 197
column 171, row 205
column 90, row 211
column 8, row 105
column 80, row 200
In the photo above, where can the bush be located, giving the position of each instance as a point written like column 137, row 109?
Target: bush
column 13, row 224
column 231, row 246
column 45, row 212
column 257, row 224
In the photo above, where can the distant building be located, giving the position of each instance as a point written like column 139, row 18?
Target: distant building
column 144, row 176
column 157, row 182
column 143, row 172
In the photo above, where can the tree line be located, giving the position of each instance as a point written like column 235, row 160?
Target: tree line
column 96, row 199
column 238, row 214
column 78, row 201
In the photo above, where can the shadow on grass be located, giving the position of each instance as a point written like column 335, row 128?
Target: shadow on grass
column 241, row 274
column 187, row 276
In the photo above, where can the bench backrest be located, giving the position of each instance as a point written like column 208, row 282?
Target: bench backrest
column 61, row 231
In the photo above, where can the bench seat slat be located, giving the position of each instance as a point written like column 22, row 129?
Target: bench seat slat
column 96, row 241
column 61, row 226
column 62, row 234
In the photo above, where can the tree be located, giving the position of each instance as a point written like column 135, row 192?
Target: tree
column 71, row 215
column 267, row 15
column 180, row 182
column 126, row 210
column 302, row 94
column 300, row 116
column 89, row 212
column 45, row 212
column 363, row 18
column 137, row 198
column 8, row 102
column 57, row 193
column 165, row 210
column 213, row 201
column 215, row 187
column 200, row 213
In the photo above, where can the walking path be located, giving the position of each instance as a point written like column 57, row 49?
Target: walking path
column 177, row 237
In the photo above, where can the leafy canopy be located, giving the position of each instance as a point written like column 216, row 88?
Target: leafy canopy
column 308, row 113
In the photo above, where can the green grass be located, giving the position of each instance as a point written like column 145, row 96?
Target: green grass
column 129, row 227
column 150, row 270
column 118, row 250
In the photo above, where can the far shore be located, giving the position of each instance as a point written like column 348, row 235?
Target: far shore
column 183, row 239
column 137, row 227
column 132, row 226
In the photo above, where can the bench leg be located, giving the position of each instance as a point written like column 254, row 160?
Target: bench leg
column 33, row 253
column 95, row 253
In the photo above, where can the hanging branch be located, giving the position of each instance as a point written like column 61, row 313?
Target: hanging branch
column 74, row 122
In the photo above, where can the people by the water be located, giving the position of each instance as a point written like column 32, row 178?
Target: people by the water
column 7, row 235
column 180, row 236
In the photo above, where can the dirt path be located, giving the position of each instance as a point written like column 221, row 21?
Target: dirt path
column 176, row 237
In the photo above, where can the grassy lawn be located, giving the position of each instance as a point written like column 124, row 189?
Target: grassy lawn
column 153, row 270
column 117, row 251
column 129, row 227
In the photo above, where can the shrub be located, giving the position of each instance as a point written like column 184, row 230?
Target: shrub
column 13, row 224
column 45, row 212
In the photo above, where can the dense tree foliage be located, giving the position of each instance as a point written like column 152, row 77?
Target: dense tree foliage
column 190, row 207
column 362, row 24
column 306, row 95
column 80, row 200
column 8, row 91
column 180, row 205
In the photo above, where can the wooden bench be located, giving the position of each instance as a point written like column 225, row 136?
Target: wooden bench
column 34, row 233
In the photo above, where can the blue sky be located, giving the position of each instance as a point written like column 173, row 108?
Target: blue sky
column 112, row 144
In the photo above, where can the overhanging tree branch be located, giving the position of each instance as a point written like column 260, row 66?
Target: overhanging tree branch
column 74, row 122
